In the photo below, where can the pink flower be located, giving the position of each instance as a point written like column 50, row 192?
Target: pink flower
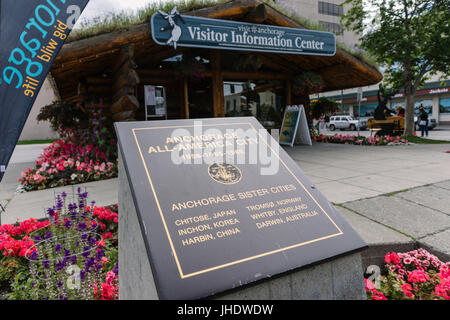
column 443, row 289
column 369, row 285
column 407, row 261
column 444, row 271
column 418, row 276
column 406, row 288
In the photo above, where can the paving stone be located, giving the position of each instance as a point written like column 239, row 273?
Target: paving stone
column 429, row 196
column 426, row 174
column 400, row 214
column 380, row 183
column 443, row 184
column 438, row 244
column 338, row 192
column 372, row 232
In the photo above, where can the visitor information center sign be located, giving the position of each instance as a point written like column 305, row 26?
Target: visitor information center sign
column 212, row 223
column 187, row 31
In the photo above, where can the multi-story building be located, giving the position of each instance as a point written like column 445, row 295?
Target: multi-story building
column 434, row 95
column 326, row 13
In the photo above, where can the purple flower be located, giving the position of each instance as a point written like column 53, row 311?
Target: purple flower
column 63, row 194
column 51, row 212
column 86, row 253
column 66, row 252
column 59, row 284
column 89, row 263
column 100, row 254
column 82, row 226
column 60, row 265
column 82, row 275
column 74, row 259
column 46, row 264
column 59, row 203
column 37, row 238
column 58, row 247
column 72, row 206
column 33, row 256
column 116, row 268
column 48, row 235
column 84, row 236
column 92, row 241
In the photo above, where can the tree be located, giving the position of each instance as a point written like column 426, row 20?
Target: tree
column 410, row 38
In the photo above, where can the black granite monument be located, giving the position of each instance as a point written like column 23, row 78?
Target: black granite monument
column 214, row 223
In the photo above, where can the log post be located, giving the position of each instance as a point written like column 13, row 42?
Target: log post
column 125, row 80
column 217, row 85
column 186, row 97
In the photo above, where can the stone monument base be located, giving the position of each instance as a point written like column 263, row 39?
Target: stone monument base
column 338, row 278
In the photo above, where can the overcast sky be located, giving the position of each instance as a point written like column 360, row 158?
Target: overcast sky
column 96, row 8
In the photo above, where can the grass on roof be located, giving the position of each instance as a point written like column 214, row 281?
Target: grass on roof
column 116, row 21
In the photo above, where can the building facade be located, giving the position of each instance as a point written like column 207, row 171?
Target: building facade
column 122, row 67
column 34, row 130
column 434, row 95
column 326, row 13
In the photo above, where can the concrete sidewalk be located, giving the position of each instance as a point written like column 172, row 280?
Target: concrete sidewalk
column 22, row 158
column 347, row 172
column 34, row 204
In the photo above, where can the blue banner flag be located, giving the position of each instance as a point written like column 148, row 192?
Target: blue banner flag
column 31, row 34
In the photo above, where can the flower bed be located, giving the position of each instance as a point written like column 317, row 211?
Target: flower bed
column 359, row 140
column 64, row 163
column 82, row 155
column 72, row 255
column 414, row 275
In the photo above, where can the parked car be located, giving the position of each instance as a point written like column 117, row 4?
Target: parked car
column 431, row 124
column 346, row 123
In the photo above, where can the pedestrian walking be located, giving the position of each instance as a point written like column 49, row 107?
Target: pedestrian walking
column 423, row 121
column 327, row 122
column 322, row 125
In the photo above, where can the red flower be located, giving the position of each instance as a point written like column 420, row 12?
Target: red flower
column 392, row 258
column 100, row 244
column 107, row 235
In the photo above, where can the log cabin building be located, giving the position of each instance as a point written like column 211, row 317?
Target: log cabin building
column 116, row 67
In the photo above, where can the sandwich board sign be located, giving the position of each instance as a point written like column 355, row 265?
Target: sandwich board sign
column 211, row 222
column 294, row 128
